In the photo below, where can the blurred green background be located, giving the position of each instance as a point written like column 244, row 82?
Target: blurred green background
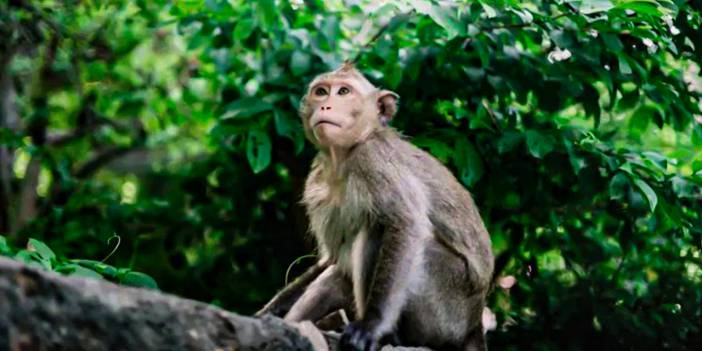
column 166, row 133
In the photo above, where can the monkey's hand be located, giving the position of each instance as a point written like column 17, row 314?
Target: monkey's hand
column 359, row 336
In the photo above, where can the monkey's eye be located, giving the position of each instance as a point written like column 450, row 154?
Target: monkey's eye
column 344, row 91
column 320, row 91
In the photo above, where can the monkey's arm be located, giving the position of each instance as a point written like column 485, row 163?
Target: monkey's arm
column 403, row 228
column 281, row 303
column 397, row 263
column 329, row 292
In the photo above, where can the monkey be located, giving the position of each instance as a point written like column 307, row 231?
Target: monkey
column 401, row 242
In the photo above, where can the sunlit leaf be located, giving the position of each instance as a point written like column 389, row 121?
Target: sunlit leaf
column 593, row 6
column 267, row 14
column 39, row 247
column 648, row 192
column 245, row 107
column 4, row 248
column 445, row 16
column 258, row 150
column 243, row 29
column 138, row 279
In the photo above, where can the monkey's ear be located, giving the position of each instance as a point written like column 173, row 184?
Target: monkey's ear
column 387, row 103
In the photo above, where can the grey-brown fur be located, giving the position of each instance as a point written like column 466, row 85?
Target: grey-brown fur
column 402, row 242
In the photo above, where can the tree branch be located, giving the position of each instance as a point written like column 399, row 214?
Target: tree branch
column 8, row 119
column 102, row 159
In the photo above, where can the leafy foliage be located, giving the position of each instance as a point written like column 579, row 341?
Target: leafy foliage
column 37, row 254
column 575, row 124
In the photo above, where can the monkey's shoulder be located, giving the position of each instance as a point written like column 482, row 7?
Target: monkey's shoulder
column 389, row 156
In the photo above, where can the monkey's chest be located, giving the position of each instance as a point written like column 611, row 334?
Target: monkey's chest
column 337, row 226
column 336, row 222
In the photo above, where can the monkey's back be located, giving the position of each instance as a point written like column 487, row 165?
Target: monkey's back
column 449, row 206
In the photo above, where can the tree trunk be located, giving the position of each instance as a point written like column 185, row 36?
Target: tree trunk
column 8, row 119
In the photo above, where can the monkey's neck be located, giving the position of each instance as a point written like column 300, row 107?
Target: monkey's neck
column 336, row 157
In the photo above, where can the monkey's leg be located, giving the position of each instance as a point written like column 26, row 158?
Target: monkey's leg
column 444, row 308
column 329, row 292
column 281, row 303
column 476, row 340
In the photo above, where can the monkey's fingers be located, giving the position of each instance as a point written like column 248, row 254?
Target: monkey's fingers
column 357, row 337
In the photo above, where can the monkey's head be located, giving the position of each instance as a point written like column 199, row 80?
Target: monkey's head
column 342, row 107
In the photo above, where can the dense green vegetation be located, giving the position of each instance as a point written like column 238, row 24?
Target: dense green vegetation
column 166, row 134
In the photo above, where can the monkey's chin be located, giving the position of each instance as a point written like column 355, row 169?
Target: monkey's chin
column 327, row 133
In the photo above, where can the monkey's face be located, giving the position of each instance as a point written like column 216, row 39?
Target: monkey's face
column 338, row 112
column 342, row 107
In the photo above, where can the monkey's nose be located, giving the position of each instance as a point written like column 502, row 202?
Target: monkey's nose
column 326, row 108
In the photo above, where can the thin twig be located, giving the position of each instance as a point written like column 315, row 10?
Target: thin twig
column 287, row 272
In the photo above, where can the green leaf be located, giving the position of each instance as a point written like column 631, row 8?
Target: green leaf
column 289, row 128
column 481, row 119
column 624, row 67
column 41, row 248
column 508, row 141
column 697, row 134
column 267, row 14
column 436, row 147
column 468, row 161
column 612, row 42
column 300, row 63
column 97, row 266
column 641, row 7
column 684, row 188
column 591, row 103
column 397, row 20
column 696, row 165
column 393, row 75
column 246, row 107
column 138, row 279
column 593, row 6
column 78, row 271
column 483, row 53
column 629, row 100
column 618, row 186
column 4, row 247
column 24, row 256
column 489, row 10
column 577, row 162
column 648, row 192
column 640, row 119
column 258, row 150
column 539, row 144
column 243, row 29
column 444, row 16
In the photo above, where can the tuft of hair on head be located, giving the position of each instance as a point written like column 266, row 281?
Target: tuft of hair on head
column 347, row 66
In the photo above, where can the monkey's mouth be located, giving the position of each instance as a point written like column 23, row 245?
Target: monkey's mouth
column 324, row 121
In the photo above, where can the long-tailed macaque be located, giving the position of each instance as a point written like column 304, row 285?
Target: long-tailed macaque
column 401, row 241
